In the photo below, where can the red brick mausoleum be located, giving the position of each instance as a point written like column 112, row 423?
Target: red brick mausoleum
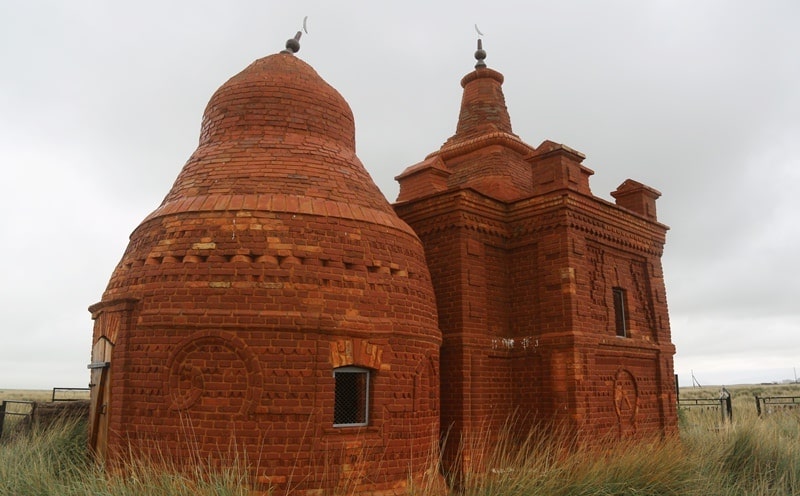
column 275, row 308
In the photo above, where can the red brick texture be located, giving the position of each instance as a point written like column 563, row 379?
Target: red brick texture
column 273, row 260
column 524, row 260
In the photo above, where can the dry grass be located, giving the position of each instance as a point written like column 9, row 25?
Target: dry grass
column 750, row 456
column 55, row 461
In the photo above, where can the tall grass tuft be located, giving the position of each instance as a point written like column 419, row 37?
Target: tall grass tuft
column 541, row 465
column 751, row 456
column 37, row 463
column 764, row 457
column 56, row 461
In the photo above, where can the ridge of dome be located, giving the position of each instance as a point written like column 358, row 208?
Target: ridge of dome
column 276, row 128
column 254, row 103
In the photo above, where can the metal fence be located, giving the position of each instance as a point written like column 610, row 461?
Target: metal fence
column 766, row 405
column 70, row 394
column 15, row 411
column 723, row 405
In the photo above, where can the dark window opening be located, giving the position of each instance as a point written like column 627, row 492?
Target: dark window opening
column 351, row 405
column 620, row 312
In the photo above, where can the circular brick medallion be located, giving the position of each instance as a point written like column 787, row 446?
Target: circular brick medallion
column 212, row 373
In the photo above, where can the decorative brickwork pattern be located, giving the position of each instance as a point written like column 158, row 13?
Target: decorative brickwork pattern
column 273, row 260
column 524, row 261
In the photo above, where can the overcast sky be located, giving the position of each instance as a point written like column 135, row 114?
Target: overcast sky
column 100, row 107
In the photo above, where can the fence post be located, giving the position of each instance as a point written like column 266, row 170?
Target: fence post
column 2, row 417
column 729, row 407
column 758, row 404
column 725, row 407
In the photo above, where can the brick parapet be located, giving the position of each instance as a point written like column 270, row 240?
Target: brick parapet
column 521, row 219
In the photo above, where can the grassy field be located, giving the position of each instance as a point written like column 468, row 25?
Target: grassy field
column 750, row 456
column 742, row 391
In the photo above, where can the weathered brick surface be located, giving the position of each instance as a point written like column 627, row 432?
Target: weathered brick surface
column 523, row 260
column 273, row 259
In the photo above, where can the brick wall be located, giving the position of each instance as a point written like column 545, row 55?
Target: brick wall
column 524, row 260
column 524, row 293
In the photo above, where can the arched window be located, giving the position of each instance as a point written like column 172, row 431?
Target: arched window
column 351, row 406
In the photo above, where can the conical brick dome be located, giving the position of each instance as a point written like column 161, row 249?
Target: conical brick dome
column 277, row 127
column 253, row 103
column 273, row 264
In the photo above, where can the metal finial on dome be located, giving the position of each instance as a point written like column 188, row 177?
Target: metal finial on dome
column 480, row 54
column 293, row 44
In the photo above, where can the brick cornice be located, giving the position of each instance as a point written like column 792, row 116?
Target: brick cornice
column 463, row 208
column 468, row 145
column 278, row 203
column 121, row 304
column 593, row 216
column 604, row 221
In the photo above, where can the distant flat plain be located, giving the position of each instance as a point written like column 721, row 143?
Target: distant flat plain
column 785, row 389
column 41, row 395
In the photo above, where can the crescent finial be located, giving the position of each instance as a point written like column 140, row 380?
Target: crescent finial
column 480, row 53
column 293, row 44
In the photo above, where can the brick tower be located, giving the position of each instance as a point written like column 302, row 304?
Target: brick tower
column 274, row 307
column 551, row 301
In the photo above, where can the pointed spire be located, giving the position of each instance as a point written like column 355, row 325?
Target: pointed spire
column 484, row 154
column 483, row 116
column 483, row 105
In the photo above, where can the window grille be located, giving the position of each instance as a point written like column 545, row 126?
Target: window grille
column 351, row 405
column 620, row 313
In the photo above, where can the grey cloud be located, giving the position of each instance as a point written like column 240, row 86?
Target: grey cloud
column 100, row 106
